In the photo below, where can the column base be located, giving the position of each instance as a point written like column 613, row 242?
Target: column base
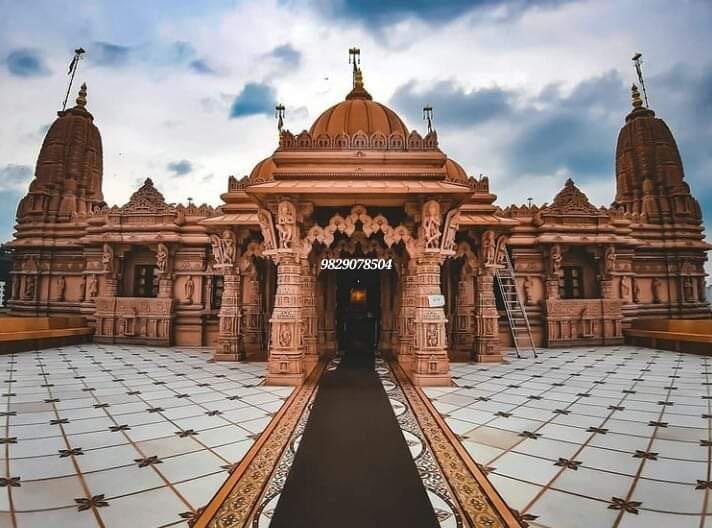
column 291, row 380
column 431, row 380
column 228, row 357
column 488, row 358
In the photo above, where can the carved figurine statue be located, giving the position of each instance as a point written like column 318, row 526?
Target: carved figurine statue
column 223, row 248
column 265, row 220
column 286, row 222
column 529, row 291
column 636, row 291
column 489, row 249
column 688, row 289
column 93, row 286
column 189, row 289
column 625, row 288
column 228, row 240
column 556, row 259
column 657, row 290
column 61, row 287
column 29, row 289
column 501, row 252
column 162, row 258
column 452, row 224
column 610, row 263
column 107, row 258
column 431, row 224
column 82, row 288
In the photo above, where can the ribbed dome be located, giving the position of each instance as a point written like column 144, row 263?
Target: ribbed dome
column 358, row 113
column 352, row 115
column 262, row 171
column 455, row 172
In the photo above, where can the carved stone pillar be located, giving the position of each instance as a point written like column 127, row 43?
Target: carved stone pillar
column 608, row 289
column 309, row 316
column 551, row 285
column 464, row 318
column 165, row 286
column 110, row 287
column 252, row 315
column 486, row 341
column 386, row 322
column 328, row 330
column 406, row 319
column 228, row 346
column 286, row 357
column 430, row 362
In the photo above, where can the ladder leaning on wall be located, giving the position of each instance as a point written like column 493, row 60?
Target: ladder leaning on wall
column 516, row 314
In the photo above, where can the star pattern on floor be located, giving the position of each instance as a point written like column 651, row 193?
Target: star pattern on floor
column 119, row 427
column 591, row 437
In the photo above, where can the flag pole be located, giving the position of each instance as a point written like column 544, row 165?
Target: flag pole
column 73, row 70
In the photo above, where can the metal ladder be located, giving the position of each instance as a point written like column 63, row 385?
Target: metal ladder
column 517, row 316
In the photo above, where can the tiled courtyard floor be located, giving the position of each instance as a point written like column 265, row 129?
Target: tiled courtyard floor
column 140, row 437
column 122, row 436
column 591, row 438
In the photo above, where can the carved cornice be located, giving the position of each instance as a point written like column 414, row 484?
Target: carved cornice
column 358, row 141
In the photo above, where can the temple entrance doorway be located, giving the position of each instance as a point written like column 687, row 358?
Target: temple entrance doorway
column 358, row 310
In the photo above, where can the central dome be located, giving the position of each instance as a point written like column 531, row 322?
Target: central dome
column 358, row 113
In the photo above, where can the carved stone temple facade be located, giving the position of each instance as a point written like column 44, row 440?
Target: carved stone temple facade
column 249, row 278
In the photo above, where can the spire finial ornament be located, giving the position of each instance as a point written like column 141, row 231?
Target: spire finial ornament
column 428, row 116
column 637, row 102
column 82, row 97
column 638, row 62
column 72, row 71
column 279, row 115
column 355, row 59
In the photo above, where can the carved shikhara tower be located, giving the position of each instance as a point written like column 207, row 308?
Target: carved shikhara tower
column 246, row 278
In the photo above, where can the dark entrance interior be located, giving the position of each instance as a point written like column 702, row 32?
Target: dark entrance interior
column 358, row 309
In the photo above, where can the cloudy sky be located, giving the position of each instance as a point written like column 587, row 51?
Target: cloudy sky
column 528, row 92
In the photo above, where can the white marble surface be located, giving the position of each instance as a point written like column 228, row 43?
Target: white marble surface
column 144, row 435
column 590, row 437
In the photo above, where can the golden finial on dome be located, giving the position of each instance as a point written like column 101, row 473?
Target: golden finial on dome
column 358, row 79
column 355, row 59
column 637, row 102
column 82, row 97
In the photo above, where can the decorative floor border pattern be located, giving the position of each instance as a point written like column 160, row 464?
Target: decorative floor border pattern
column 446, row 509
column 477, row 500
column 236, row 502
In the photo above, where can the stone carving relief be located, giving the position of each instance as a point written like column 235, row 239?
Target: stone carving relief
column 107, row 258
column 264, row 217
column 625, row 289
column 224, row 248
column 555, row 259
column 529, row 291
column 452, row 224
column 658, row 294
column 188, row 290
column 93, row 286
column 609, row 262
column 29, row 287
column 369, row 226
column 286, row 223
column 162, row 258
column 82, row 288
column 489, row 248
column 61, row 287
column 431, row 224
column 636, row 290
